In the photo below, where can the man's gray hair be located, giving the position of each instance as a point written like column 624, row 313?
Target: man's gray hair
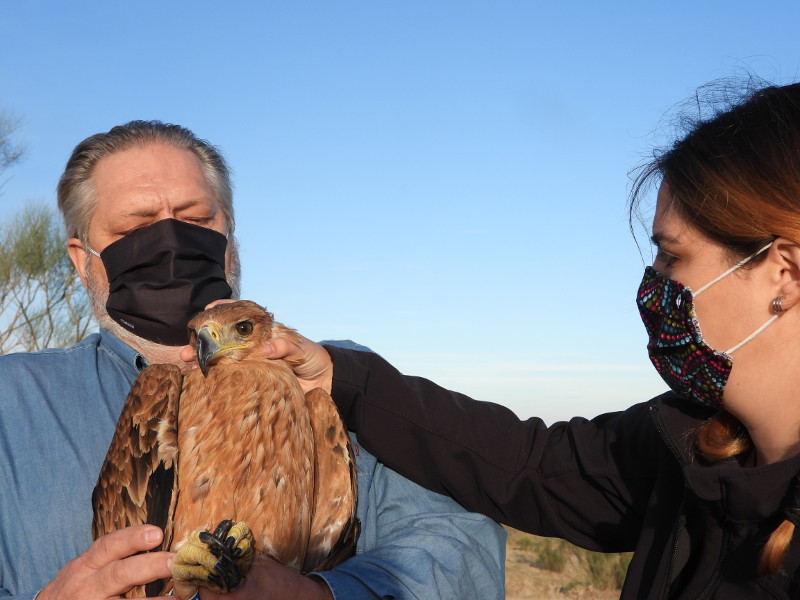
column 76, row 195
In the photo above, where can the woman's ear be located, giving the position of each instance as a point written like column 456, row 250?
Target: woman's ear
column 786, row 255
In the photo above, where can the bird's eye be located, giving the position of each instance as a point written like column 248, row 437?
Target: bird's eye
column 244, row 328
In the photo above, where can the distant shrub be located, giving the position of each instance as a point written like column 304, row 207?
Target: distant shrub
column 552, row 556
column 526, row 543
column 606, row 571
column 584, row 568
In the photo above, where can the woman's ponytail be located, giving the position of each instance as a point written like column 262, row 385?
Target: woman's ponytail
column 777, row 544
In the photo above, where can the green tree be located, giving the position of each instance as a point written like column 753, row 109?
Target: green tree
column 42, row 300
column 11, row 149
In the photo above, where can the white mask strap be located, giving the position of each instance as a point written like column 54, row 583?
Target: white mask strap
column 731, row 270
column 752, row 335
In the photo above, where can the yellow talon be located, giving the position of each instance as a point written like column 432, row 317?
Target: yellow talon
column 211, row 561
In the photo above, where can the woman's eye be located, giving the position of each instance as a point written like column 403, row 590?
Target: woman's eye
column 244, row 328
column 664, row 259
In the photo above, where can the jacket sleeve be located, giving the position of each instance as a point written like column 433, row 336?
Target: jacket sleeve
column 587, row 481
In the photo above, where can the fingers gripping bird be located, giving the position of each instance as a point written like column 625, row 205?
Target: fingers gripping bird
column 231, row 460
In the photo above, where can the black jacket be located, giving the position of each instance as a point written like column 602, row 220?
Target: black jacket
column 619, row 482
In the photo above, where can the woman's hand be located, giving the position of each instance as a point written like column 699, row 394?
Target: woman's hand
column 311, row 363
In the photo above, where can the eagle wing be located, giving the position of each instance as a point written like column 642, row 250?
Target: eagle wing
column 334, row 528
column 137, row 481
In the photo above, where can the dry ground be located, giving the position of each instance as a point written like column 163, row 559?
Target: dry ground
column 527, row 579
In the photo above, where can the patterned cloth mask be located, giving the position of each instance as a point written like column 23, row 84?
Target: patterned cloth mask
column 677, row 350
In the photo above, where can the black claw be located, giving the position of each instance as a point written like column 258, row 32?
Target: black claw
column 226, row 572
column 221, row 532
column 229, row 573
column 215, row 546
column 215, row 579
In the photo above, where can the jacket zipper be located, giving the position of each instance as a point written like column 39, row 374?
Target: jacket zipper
column 712, row 583
column 657, row 421
column 676, row 536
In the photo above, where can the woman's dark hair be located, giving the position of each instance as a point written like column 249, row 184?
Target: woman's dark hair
column 735, row 176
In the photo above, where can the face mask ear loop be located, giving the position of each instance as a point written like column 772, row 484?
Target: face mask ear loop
column 91, row 250
column 731, row 270
column 752, row 335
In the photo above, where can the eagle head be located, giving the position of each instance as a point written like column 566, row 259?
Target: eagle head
column 232, row 331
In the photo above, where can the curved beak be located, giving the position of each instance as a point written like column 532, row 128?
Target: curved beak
column 207, row 347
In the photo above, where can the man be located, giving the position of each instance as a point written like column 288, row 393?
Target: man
column 149, row 216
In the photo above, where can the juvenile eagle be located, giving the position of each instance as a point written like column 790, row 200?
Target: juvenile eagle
column 232, row 445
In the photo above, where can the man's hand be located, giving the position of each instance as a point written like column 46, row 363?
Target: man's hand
column 269, row 579
column 311, row 363
column 111, row 566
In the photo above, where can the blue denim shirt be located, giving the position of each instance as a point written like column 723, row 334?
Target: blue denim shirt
column 58, row 410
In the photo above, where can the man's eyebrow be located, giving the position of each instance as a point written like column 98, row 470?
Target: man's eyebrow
column 142, row 212
column 149, row 211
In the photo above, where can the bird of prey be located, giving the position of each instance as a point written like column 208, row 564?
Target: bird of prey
column 231, row 460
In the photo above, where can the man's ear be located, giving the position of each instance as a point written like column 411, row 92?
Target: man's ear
column 786, row 254
column 232, row 258
column 78, row 254
column 230, row 253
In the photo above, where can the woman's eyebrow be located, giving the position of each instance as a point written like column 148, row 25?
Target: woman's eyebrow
column 659, row 239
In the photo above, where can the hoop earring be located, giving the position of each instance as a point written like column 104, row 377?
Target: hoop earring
column 777, row 305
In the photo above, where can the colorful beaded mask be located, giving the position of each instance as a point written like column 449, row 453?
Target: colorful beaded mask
column 677, row 350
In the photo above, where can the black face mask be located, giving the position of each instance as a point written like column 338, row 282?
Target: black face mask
column 161, row 275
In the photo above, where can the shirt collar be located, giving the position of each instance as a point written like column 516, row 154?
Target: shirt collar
column 128, row 355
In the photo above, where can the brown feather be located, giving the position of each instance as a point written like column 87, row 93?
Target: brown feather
column 243, row 443
column 334, row 528
column 135, row 485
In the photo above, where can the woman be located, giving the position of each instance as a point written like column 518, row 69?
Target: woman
column 701, row 482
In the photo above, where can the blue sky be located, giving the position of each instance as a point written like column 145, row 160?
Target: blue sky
column 442, row 181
